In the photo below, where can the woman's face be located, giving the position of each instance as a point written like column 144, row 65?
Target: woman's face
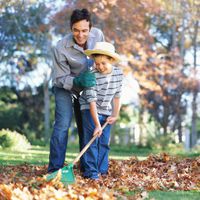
column 103, row 64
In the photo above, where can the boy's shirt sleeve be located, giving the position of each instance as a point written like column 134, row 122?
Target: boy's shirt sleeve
column 91, row 94
column 119, row 90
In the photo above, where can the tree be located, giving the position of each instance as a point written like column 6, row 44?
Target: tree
column 186, row 39
column 151, row 36
column 26, row 42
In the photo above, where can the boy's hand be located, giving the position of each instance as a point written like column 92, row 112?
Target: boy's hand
column 98, row 131
column 111, row 119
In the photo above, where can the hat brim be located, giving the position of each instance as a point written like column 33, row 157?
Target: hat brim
column 115, row 56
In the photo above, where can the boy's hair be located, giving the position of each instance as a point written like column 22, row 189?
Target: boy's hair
column 78, row 15
column 98, row 54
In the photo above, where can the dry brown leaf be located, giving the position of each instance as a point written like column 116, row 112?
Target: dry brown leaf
column 157, row 172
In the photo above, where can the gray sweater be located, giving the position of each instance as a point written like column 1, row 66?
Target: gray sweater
column 69, row 59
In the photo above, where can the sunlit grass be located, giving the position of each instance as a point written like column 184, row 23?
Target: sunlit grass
column 168, row 195
column 175, row 195
column 40, row 155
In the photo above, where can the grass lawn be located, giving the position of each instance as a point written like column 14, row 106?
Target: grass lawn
column 174, row 195
column 38, row 155
column 171, row 195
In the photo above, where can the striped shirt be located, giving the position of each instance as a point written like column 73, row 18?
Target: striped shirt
column 108, row 86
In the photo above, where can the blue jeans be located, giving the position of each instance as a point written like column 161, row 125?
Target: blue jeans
column 63, row 116
column 95, row 159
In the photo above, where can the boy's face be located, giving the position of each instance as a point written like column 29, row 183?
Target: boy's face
column 103, row 64
column 80, row 31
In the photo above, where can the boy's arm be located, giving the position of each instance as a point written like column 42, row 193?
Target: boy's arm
column 115, row 112
column 93, row 111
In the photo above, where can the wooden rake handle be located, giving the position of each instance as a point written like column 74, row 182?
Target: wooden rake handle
column 88, row 145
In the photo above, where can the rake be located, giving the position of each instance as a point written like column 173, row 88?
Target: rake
column 66, row 174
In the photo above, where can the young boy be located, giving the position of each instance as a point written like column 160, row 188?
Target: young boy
column 99, row 104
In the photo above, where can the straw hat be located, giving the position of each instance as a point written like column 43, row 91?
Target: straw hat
column 104, row 48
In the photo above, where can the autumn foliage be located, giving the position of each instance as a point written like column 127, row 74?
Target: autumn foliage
column 157, row 172
column 164, row 79
column 147, row 34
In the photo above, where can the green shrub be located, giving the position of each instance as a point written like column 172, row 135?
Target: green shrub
column 160, row 142
column 13, row 141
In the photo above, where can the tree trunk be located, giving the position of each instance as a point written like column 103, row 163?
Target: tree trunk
column 194, row 117
column 140, row 127
column 182, row 45
column 182, row 53
column 46, row 110
column 165, row 122
column 180, row 139
column 174, row 26
column 194, row 100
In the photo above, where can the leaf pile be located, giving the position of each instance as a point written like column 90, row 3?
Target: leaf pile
column 157, row 172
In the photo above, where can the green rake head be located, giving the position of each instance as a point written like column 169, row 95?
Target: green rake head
column 65, row 175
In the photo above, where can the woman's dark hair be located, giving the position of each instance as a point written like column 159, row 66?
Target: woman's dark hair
column 78, row 15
